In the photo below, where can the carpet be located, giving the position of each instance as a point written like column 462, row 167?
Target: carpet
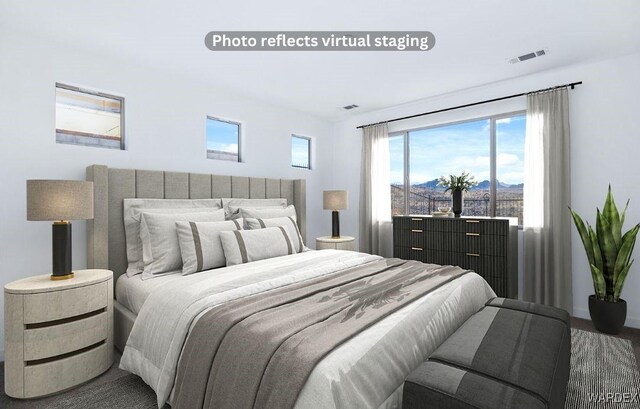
column 604, row 374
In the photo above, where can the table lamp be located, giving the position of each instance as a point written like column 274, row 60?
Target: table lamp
column 335, row 200
column 60, row 201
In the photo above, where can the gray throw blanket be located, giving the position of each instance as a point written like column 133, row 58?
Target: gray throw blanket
column 257, row 352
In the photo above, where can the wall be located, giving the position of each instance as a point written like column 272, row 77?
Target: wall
column 604, row 124
column 165, row 125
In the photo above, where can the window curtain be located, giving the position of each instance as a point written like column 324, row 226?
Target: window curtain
column 375, row 201
column 547, row 195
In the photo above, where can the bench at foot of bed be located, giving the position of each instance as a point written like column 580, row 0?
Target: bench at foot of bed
column 510, row 354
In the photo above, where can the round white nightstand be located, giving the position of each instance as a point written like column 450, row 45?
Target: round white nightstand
column 58, row 334
column 341, row 243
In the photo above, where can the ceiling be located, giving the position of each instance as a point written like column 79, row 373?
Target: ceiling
column 474, row 40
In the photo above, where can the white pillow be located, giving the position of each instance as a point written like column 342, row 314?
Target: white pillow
column 268, row 213
column 160, row 245
column 288, row 223
column 244, row 246
column 134, row 207
column 253, row 203
column 200, row 244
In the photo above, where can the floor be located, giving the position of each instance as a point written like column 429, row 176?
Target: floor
column 114, row 372
column 632, row 334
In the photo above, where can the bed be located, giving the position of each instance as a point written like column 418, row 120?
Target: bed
column 157, row 320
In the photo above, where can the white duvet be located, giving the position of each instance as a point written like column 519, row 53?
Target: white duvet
column 365, row 372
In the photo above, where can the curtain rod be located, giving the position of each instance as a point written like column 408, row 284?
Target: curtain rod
column 572, row 85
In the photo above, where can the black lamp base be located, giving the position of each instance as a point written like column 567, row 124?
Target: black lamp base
column 61, row 250
column 335, row 225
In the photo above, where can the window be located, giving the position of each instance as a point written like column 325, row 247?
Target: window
column 300, row 152
column 89, row 118
column 223, row 139
column 419, row 157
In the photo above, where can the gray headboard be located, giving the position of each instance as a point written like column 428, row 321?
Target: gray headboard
column 105, row 233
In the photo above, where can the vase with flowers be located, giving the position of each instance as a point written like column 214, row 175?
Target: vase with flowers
column 457, row 185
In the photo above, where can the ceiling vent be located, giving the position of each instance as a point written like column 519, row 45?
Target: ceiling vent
column 529, row 56
column 349, row 107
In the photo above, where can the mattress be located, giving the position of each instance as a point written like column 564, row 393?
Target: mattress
column 132, row 292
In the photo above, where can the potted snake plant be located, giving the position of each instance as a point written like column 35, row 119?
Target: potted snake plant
column 457, row 185
column 609, row 253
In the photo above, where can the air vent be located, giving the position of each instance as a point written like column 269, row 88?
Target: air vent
column 348, row 107
column 528, row 56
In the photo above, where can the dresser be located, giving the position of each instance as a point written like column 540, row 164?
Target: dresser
column 58, row 334
column 488, row 246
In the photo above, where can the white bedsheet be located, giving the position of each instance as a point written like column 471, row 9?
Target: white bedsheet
column 365, row 372
column 132, row 292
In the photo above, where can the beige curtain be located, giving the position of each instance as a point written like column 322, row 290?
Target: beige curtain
column 547, row 194
column 375, row 201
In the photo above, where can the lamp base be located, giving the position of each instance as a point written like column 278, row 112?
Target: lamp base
column 64, row 277
column 335, row 225
column 61, row 250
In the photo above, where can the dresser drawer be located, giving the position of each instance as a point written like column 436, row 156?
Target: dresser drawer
column 487, row 227
column 409, row 253
column 50, row 341
column 46, row 378
column 58, row 305
column 489, row 245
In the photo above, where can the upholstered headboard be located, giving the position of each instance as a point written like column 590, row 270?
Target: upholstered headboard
column 105, row 233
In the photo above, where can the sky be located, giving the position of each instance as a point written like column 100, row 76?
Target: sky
column 222, row 136
column 300, row 152
column 461, row 147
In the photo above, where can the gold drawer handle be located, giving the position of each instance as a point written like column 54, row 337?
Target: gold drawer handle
column 416, row 219
column 473, row 254
column 416, row 231
column 473, row 234
column 473, row 221
column 416, row 248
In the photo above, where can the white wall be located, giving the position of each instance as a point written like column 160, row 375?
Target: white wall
column 165, row 129
column 604, row 124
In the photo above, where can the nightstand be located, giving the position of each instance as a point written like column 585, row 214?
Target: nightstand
column 58, row 334
column 342, row 243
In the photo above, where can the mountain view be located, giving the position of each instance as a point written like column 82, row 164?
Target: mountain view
column 426, row 197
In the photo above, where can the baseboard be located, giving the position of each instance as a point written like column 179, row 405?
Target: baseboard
column 631, row 322
column 1, row 355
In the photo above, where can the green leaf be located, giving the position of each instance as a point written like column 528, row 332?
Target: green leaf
column 597, row 253
column 624, row 255
column 584, row 235
column 620, row 284
column 624, row 213
column 608, row 249
column 610, row 213
column 599, row 284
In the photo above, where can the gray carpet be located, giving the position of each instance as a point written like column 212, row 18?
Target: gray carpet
column 604, row 372
column 600, row 364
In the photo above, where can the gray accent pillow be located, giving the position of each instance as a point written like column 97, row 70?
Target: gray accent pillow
column 269, row 213
column 200, row 244
column 133, row 208
column 160, row 245
column 288, row 223
column 244, row 246
column 227, row 203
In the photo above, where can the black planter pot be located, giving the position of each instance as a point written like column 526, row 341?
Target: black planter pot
column 607, row 316
column 458, row 202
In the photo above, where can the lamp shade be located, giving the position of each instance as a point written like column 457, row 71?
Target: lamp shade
column 335, row 199
column 59, row 200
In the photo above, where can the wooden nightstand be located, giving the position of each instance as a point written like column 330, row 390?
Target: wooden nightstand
column 58, row 334
column 343, row 243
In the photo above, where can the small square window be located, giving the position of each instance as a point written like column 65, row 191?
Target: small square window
column 89, row 118
column 300, row 152
column 223, row 140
